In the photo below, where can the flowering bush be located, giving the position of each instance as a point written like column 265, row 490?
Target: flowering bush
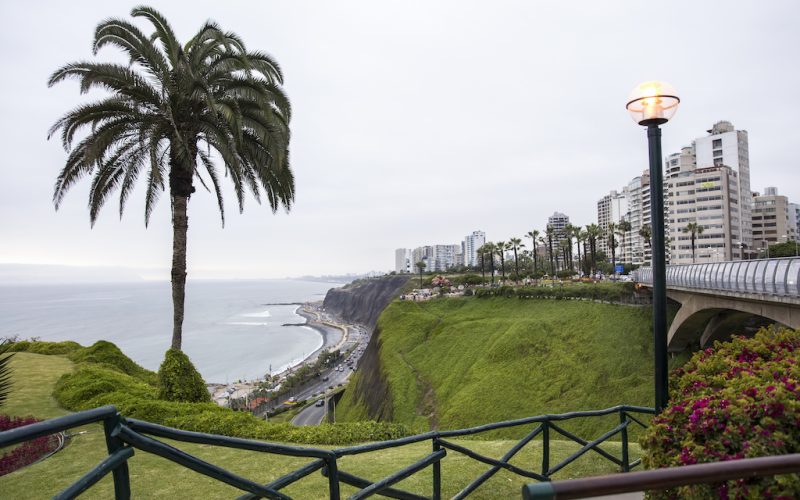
column 739, row 399
column 27, row 452
column 440, row 281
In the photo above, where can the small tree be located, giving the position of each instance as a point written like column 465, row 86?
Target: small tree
column 421, row 266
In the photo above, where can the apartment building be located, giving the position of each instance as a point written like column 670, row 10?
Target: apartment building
column 472, row 242
column 402, row 260
column 613, row 208
column 772, row 221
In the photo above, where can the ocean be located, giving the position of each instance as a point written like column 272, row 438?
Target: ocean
column 231, row 330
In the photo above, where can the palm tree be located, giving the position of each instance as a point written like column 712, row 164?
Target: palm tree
column 593, row 232
column 580, row 237
column 534, row 235
column 695, row 230
column 516, row 244
column 421, row 266
column 5, row 369
column 171, row 110
column 610, row 233
column 543, row 242
column 500, row 249
column 623, row 228
column 646, row 232
column 490, row 248
column 480, row 252
column 569, row 232
column 550, row 232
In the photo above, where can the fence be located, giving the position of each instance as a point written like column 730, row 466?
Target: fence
column 123, row 436
column 780, row 276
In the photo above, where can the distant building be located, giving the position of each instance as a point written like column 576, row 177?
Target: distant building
column 637, row 247
column 472, row 242
column 402, row 260
column 794, row 218
column 772, row 222
column 445, row 257
column 422, row 254
column 612, row 208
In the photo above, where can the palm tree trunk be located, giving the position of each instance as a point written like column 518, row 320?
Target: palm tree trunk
column 535, row 263
column 580, row 265
column 516, row 265
column 180, row 226
column 483, row 271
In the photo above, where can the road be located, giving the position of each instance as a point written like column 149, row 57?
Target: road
column 312, row 415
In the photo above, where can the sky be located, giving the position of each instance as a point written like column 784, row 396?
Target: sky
column 414, row 123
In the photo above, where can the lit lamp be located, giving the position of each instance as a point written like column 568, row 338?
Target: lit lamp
column 652, row 104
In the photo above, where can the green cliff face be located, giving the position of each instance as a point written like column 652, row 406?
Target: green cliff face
column 454, row 363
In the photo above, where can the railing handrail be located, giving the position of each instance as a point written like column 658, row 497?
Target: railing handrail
column 661, row 479
column 54, row 425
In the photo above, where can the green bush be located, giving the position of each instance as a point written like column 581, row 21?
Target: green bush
column 740, row 399
column 178, row 380
column 47, row 348
column 240, row 424
column 78, row 390
column 106, row 353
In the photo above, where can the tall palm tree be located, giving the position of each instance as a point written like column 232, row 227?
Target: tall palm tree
column 421, row 266
column 695, row 230
column 610, row 234
column 646, row 233
column 170, row 112
column 550, row 233
column 593, row 232
column 516, row 244
column 480, row 252
column 580, row 237
column 623, row 228
column 569, row 232
column 534, row 235
column 500, row 247
column 490, row 248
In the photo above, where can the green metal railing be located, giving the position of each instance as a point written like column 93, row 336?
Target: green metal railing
column 123, row 436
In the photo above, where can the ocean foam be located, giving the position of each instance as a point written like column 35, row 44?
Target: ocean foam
column 262, row 314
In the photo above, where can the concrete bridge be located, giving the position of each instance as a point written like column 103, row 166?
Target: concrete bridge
column 721, row 298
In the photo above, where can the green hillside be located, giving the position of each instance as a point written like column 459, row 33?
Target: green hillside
column 453, row 363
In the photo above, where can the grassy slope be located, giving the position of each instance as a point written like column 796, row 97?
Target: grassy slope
column 497, row 359
column 153, row 477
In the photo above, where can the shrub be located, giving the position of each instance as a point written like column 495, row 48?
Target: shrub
column 27, row 452
column 47, row 348
column 178, row 380
column 79, row 390
column 740, row 399
column 103, row 352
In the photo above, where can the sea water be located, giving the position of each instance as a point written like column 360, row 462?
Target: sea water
column 232, row 329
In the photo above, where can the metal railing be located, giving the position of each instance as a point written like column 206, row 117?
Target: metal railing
column 125, row 435
column 662, row 479
column 779, row 276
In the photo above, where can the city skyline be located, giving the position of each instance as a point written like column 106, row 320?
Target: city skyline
column 380, row 159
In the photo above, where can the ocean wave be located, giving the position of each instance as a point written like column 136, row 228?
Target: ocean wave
column 248, row 323
column 262, row 314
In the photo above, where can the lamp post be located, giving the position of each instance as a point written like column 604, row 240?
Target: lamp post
column 652, row 104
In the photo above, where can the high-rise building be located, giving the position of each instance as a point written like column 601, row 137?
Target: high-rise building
column 772, row 222
column 794, row 218
column 472, row 242
column 444, row 257
column 402, row 260
column 708, row 183
column 727, row 146
column 422, row 254
column 612, row 208
column 637, row 247
column 558, row 222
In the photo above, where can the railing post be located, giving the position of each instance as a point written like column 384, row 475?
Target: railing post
column 122, row 484
column 545, row 448
column 333, row 478
column 437, row 472
column 623, row 417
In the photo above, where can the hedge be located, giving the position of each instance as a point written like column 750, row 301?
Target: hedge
column 179, row 380
column 739, row 399
column 76, row 391
column 103, row 352
column 46, row 348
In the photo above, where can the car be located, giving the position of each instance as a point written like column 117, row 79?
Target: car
column 325, row 378
column 319, row 403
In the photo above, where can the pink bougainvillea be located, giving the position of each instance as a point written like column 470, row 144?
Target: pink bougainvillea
column 27, row 452
column 740, row 399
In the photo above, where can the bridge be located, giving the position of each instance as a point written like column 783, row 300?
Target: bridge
column 718, row 298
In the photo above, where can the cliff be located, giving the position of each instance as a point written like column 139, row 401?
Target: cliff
column 363, row 302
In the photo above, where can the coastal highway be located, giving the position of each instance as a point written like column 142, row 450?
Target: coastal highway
column 311, row 415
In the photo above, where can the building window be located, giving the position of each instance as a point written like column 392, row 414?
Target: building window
column 717, row 162
column 716, row 143
column 717, row 152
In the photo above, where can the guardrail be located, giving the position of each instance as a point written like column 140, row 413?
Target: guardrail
column 125, row 435
column 779, row 276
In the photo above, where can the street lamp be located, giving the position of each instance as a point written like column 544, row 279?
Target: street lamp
column 652, row 104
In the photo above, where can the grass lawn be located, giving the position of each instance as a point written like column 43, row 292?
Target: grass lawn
column 154, row 477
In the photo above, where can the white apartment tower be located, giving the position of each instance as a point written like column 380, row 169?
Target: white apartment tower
column 472, row 242
column 772, row 220
column 727, row 146
column 402, row 260
column 612, row 207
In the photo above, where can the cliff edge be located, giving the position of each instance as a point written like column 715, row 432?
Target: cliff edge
column 363, row 301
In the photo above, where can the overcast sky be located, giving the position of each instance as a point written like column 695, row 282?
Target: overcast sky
column 414, row 122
